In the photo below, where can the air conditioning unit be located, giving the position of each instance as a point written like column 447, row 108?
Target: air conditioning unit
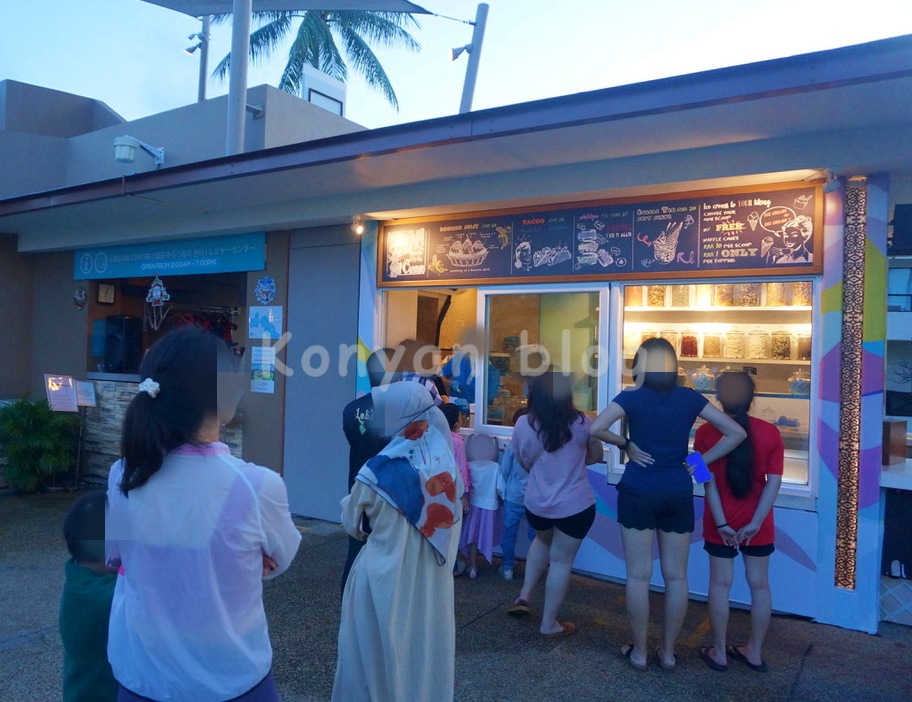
column 323, row 91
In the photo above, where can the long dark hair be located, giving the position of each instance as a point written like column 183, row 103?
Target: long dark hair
column 658, row 380
column 551, row 410
column 740, row 468
column 192, row 367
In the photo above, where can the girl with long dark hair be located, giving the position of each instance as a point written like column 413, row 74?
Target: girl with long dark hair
column 195, row 530
column 655, row 494
column 552, row 442
column 738, row 516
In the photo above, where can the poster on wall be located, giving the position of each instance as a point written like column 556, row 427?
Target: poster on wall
column 61, row 393
column 773, row 232
column 265, row 322
column 263, row 369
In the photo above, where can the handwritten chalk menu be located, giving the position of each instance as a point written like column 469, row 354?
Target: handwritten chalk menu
column 766, row 233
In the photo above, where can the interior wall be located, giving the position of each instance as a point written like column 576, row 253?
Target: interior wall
column 401, row 316
column 264, row 414
column 460, row 317
column 59, row 328
column 17, row 274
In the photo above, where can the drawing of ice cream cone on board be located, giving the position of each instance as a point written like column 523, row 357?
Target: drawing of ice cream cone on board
column 752, row 219
column 666, row 245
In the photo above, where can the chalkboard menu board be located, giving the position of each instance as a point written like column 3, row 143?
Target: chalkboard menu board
column 774, row 232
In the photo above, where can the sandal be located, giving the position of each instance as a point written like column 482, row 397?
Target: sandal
column 711, row 664
column 518, row 609
column 661, row 663
column 628, row 655
column 567, row 628
column 735, row 652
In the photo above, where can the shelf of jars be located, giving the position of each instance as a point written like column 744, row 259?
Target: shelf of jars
column 721, row 296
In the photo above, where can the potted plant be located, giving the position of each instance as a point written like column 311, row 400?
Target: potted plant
column 36, row 443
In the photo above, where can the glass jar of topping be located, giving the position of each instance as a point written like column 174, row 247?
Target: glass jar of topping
column 723, row 295
column 633, row 296
column 801, row 294
column 749, row 294
column 799, row 383
column 758, row 344
column 680, row 296
column 712, row 346
column 804, row 347
column 655, row 296
column 776, row 294
column 704, row 380
column 782, row 345
column 704, row 296
column 690, row 345
column 644, row 336
column 631, row 343
column 682, row 377
column 672, row 336
column 734, row 344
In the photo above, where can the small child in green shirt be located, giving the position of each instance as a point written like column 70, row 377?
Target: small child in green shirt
column 85, row 605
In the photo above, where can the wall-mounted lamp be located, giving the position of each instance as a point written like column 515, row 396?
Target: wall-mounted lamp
column 125, row 150
column 358, row 226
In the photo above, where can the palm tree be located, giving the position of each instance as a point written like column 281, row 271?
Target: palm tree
column 315, row 44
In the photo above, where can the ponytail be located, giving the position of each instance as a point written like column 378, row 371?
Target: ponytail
column 740, row 468
column 186, row 365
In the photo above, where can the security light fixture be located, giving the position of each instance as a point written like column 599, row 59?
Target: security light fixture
column 202, row 37
column 125, row 150
column 459, row 50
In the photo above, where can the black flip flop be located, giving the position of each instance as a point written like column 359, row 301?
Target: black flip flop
column 737, row 655
column 636, row 666
column 518, row 609
column 710, row 663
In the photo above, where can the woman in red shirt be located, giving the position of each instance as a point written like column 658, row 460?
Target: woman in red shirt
column 739, row 516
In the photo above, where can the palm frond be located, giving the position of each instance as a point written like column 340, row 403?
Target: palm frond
column 385, row 28
column 263, row 42
column 365, row 61
column 315, row 46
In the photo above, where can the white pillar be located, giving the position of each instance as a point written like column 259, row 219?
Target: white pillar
column 468, row 89
column 237, row 84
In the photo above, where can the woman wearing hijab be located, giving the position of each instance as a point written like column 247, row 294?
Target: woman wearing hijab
column 655, row 494
column 397, row 636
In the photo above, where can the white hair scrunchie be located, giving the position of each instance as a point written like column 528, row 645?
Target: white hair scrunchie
column 150, row 387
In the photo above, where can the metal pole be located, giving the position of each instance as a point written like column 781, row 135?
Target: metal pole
column 468, row 89
column 237, row 83
column 204, row 59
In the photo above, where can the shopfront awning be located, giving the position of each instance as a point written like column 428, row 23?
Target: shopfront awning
column 198, row 8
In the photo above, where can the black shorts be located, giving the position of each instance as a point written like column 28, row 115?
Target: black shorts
column 723, row 551
column 576, row 526
column 647, row 509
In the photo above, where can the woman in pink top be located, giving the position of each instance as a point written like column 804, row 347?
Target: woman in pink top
column 552, row 442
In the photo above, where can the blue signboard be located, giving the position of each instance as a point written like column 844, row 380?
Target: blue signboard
column 223, row 254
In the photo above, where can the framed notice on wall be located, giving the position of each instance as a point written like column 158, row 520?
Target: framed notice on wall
column 744, row 232
column 61, row 393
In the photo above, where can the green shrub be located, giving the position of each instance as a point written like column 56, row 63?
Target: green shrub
column 36, row 442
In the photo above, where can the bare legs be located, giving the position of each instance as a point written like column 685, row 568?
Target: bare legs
column 673, row 552
column 638, row 556
column 757, row 572
column 721, row 572
column 557, row 549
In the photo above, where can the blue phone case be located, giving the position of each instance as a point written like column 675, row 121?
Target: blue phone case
column 701, row 472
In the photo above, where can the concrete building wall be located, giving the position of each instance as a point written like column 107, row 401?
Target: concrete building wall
column 17, row 274
column 31, row 109
column 39, row 163
column 264, row 414
column 59, row 329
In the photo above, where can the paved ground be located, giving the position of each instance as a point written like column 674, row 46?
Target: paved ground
column 497, row 658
